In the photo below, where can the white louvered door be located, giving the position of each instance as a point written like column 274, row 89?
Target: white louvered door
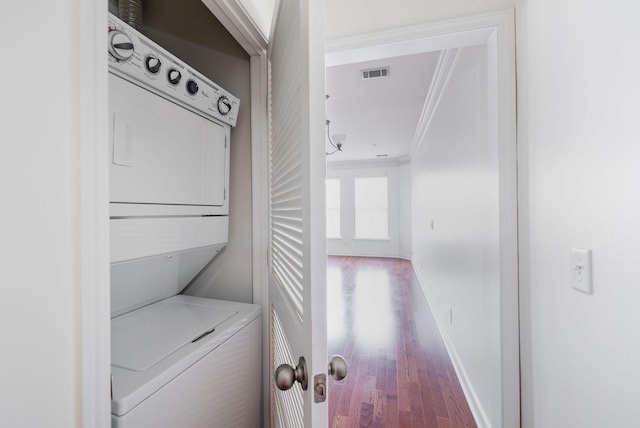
column 297, row 283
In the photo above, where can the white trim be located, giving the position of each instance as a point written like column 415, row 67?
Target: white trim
column 503, row 47
column 445, row 66
column 92, row 210
column 356, row 238
column 366, row 163
column 260, row 219
column 431, row 37
column 316, row 306
column 386, row 255
column 239, row 21
column 497, row 31
column 259, row 164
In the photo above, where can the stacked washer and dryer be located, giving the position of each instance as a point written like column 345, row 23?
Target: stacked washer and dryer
column 177, row 360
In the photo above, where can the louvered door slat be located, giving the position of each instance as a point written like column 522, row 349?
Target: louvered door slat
column 286, row 177
column 297, row 257
column 288, row 404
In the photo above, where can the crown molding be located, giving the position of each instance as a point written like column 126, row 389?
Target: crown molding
column 238, row 18
column 444, row 68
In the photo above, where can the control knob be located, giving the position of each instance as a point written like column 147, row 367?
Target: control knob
column 152, row 64
column 224, row 105
column 174, row 76
column 120, row 45
column 192, row 87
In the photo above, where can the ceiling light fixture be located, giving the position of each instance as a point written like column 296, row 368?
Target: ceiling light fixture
column 336, row 141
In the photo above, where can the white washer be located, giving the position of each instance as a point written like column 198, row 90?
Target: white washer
column 164, row 377
column 177, row 360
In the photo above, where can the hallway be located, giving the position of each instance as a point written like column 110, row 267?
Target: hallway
column 400, row 374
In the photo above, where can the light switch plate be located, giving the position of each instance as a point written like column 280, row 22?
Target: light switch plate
column 581, row 272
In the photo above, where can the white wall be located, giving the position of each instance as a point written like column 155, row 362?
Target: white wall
column 39, row 308
column 455, row 231
column 578, row 107
column 262, row 12
column 399, row 206
column 354, row 17
column 229, row 276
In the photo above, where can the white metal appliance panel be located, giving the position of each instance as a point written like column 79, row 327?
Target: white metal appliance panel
column 206, row 98
column 134, row 238
column 130, row 388
column 141, row 338
column 140, row 282
column 221, row 390
column 151, row 210
column 161, row 152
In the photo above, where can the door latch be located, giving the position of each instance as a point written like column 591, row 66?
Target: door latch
column 319, row 388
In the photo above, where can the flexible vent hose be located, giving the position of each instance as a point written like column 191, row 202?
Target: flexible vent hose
column 131, row 12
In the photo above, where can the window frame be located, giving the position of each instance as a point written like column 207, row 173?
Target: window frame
column 340, row 222
column 355, row 208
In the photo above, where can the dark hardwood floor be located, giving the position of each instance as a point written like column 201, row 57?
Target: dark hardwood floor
column 400, row 374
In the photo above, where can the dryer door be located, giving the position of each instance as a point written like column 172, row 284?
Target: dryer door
column 163, row 153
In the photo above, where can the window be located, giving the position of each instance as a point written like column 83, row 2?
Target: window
column 333, row 208
column 372, row 210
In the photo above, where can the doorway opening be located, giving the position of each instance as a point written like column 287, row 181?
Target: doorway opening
column 450, row 164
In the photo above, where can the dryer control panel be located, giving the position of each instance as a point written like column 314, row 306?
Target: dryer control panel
column 137, row 58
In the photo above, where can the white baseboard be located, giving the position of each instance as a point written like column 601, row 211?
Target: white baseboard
column 360, row 254
column 476, row 407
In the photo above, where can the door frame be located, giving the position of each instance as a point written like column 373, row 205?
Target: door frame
column 497, row 31
column 239, row 22
column 91, row 200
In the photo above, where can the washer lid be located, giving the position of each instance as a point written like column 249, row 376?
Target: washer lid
column 144, row 337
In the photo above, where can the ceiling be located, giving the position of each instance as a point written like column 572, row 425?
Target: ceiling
column 379, row 116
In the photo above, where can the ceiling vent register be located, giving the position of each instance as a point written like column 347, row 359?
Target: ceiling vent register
column 375, row 73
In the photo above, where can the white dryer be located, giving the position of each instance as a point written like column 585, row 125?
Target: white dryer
column 177, row 360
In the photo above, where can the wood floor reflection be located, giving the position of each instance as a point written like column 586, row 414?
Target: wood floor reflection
column 400, row 374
